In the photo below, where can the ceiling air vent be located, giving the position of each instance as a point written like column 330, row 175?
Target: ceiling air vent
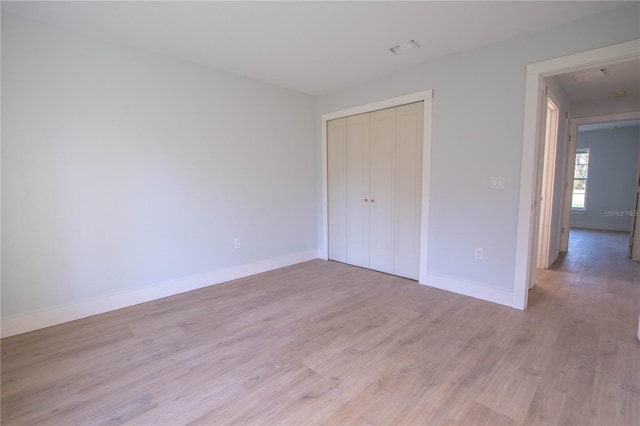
column 401, row 48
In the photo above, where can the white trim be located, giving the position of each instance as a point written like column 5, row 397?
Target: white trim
column 422, row 96
column 378, row 105
column 426, row 191
column 324, row 248
column 623, row 116
column 634, row 232
column 524, row 254
column 524, row 235
column 472, row 289
column 567, row 174
column 35, row 320
column 605, row 55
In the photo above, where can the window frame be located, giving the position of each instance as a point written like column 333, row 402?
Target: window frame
column 585, row 179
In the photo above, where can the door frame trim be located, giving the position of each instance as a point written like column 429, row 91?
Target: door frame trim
column 422, row 96
column 634, row 232
column 526, row 235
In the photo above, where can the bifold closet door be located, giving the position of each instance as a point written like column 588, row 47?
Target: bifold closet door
column 348, row 187
column 395, row 189
column 408, row 189
column 358, row 130
column 374, row 185
column 382, row 170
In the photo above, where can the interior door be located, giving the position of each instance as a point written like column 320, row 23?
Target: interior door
column 409, row 130
column 375, row 191
column 537, row 179
column 382, row 202
column 567, row 188
column 358, row 190
column 545, row 255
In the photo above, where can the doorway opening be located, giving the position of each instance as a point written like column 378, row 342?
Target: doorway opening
column 527, row 239
column 598, row 267
column 604, row 180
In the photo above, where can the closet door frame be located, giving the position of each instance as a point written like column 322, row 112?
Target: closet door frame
column 424, row 96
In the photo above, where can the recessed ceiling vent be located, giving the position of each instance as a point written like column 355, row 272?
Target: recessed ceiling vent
column 589, row 74
column 401, row 48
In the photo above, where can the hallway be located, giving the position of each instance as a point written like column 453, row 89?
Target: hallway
column 592, row 295
column 596, row 266
column 595, row 277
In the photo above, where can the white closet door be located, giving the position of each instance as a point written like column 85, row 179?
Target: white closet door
column 337, row 188
column 382, row 190
column 374, row 182
column 408, row 189
column 358, row 190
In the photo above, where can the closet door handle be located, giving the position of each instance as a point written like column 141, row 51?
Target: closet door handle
column 365, row 200
column 373, row 201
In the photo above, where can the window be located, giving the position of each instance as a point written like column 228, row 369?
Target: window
column 580, row 176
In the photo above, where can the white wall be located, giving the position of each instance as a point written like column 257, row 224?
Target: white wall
column 613, row 166
column 629, row 103
column 124, row 170
column 478, row 109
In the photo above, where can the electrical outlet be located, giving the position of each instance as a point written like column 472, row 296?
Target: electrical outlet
column 497, row 182
column 479, row 253
column 236, row 243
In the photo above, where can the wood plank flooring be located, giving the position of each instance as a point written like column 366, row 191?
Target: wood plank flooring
column 327, row 343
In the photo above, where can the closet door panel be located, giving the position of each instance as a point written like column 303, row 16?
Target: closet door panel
column 358, row 190
column 408, row 187
column 337, row 188
column 382, row 178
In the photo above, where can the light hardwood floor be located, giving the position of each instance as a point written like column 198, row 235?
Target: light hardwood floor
column 326, row 343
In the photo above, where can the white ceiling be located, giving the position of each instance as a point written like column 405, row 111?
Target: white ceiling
column 621, row 76
column 311, row 47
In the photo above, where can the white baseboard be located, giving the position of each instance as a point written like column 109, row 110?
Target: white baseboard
column 600, row 227
column 468, row 288
column 60, row 314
